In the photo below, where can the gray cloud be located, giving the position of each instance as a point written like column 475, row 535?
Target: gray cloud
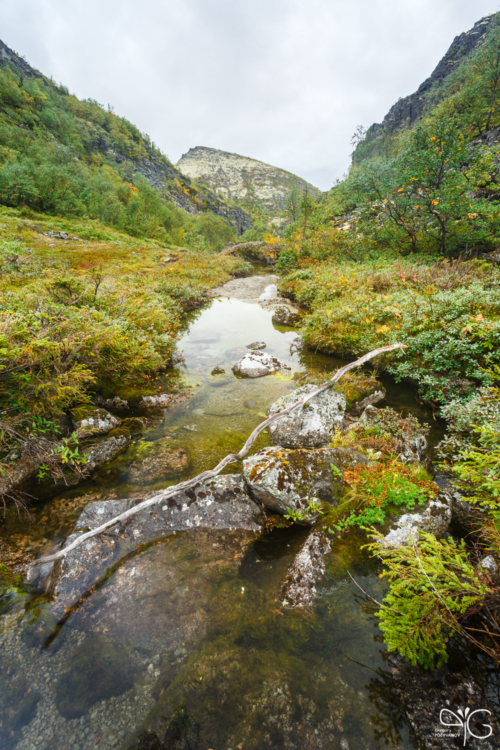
column 284, row 81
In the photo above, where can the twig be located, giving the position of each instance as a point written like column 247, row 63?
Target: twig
column 363, row 591
column 231, row 458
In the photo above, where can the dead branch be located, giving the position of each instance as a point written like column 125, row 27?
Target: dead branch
column 231, row 458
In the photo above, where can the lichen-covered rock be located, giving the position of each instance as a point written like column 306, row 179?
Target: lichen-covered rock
column 286, row 316
column 104, row 451
column 435, row 518
column 93, row 422
column 284, row 479
column 162, row 464
column 373, row 398
column 257, row 345
column 299, row 589
column 162, row 401
column 309, row 426
column 111, row 403
column 258, row 364
column 490, row 565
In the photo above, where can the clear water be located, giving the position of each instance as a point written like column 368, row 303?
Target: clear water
column 191, row 627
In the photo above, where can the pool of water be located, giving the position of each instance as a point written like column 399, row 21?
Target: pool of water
column 188, row 632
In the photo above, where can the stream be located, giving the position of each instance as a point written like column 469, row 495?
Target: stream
column 188, row 631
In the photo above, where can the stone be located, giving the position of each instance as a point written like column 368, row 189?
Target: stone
column 299, row 589
column 373, row 398
column 286, row 316
column 93, row 421
column 257, row 345
column 161, row 401
column 162, row 464
column 63, row 235
column 490, row 565
column 435, row 518
column 309, row 426
column 111, row 403
column 258, row 364
column 218, row 371
column 105, row 451
column 284, row 479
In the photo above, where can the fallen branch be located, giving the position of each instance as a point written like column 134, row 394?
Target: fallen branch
column 231, row 458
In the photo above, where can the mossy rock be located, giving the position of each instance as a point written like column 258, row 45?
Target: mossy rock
column 99, row 670
column 128, row 427
column 39, row 624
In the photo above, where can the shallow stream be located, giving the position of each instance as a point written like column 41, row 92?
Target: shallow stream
column 190, row 628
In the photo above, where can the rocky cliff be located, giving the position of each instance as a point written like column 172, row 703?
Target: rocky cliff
column 410, row 108
column 256, row 186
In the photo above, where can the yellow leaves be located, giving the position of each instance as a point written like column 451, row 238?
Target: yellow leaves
column 382, row 329
column 434, row 202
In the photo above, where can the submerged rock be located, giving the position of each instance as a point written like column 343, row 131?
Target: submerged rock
column 310, row 426
column 286, row 316
column 257, row 345
column 218, row 371
column 93, row 421
column 104, row 451
column 307, row 569
column 111, row 403
column 286, row 479
column 258, row 364
column 162, row 464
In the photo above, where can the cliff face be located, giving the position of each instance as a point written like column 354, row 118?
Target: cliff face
column 154, row 166
column 410, row 108
column 254, row 185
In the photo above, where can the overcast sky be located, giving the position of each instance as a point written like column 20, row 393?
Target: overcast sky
column 284, row 81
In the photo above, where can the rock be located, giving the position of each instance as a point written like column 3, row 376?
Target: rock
column 93, row 421
column 111, row 403
column 491, row 566
column 269, row 293
column 435, row 519
column 425, row 693
column 218, row 371
column 286, row 316
column 105, row 451
column 162, row 401
column 258, row 364
column 370, row 400
column 307, row 569
column 63, row 235
column 257, row 345
column 310, row 426
column 163, row 464
column 284, row 479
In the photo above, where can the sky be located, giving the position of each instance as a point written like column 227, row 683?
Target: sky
column 283, row 81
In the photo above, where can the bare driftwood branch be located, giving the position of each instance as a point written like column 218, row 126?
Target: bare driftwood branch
column 231, row 458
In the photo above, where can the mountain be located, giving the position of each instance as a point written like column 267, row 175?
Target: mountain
column 35, row 112
column 257, row 187
column 410, row 108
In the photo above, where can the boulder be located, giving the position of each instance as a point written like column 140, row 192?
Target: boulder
column 435, row 518
column 286, row 316
column 309, row 426
column 284, row 479
column 490, row 565
column 257, row 345
column 104, row 451
column 162, row 401
column 299, row 589
column 269, row 293
column 218, row 371
column 258, row 364
column 111, row 403
column 162, row 464
column 93, row 421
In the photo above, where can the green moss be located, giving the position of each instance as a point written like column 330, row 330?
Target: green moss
column 12, row 587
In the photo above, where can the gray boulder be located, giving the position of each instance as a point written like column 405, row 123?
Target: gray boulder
column 286, row 316
column 284, row 479
column 258, row 364
column 435, row 518
column 309, row 426
column 94, row 422
column 104, row 451
column 257, row 345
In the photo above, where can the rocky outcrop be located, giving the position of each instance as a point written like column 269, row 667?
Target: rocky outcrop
column 162, row 464
column 286, row 316
column 103, row 452
column 309, row 426
column 284, row 479
column 258, row 364
column 434, row 519
column 409, row 108
column 239, row 178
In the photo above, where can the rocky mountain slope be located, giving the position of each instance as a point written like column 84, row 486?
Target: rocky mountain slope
column 409, row 108
column 97, row 135
column 252, row 184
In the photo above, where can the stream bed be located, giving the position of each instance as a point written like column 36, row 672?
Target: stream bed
column 188, row 631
